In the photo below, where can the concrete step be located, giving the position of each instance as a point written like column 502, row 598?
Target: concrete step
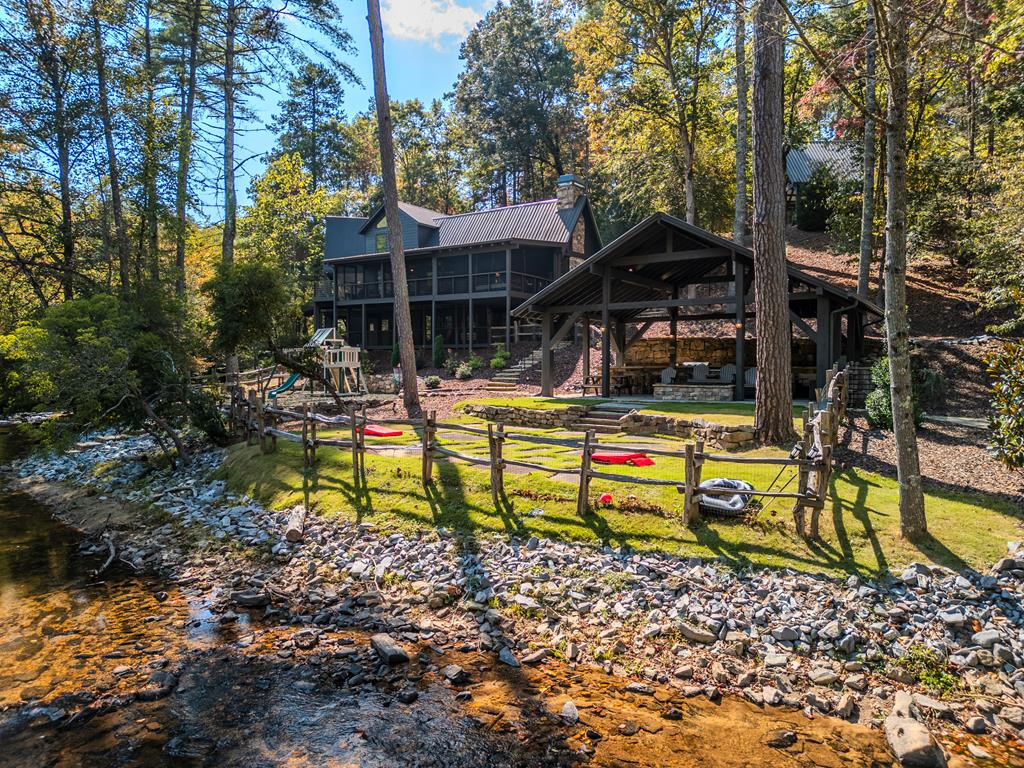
column 599, row 427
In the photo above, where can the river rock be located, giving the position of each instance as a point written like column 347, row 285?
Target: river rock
column 389, row 651
column 909, row 739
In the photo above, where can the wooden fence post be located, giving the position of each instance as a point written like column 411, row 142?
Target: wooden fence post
column 312, row 434
column 353, row 420
column 428, row 439
column 362, row 445
column 492, row 454
column 305, row 435
column 499, row 453
column 250, row 410
column 273, row 426
column 822, row 477
column 583, row 495
column 261, row 424
column 691, row 499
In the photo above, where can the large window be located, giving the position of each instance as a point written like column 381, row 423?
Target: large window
column 453, row 274
column 360, row 281
column 489, row 271
column 532, row 269
column 381, row 242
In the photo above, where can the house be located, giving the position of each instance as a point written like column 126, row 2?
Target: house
column 840, row 158
column 466, row 272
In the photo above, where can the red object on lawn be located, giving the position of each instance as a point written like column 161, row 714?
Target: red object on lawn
column 636, row 459
column 375, row 430
column 604, row 498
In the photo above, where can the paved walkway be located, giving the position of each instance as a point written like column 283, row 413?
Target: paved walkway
column 961, row 421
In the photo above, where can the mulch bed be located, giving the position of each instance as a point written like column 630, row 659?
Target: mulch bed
column 952, row 457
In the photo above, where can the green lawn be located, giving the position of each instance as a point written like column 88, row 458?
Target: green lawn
column 860, row 528
column 727, row 414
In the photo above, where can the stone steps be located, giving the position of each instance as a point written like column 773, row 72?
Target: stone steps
column 600, row 427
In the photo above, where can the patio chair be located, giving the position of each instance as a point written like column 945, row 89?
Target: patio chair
column 728, row 372
column 699, row 373
column 750, row 378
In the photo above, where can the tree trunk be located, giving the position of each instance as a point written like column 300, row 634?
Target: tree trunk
column 739, row 221
column 403, row 322
column 867, row 214
column 149, row 161
column 230, row 203
column 117, row 209
column 185, row 149
column 908, row 470
column 773, row 403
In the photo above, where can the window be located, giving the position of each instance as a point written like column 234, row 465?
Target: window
column 489, row 271
column 453, row 274
column 382, row 242
column 383, row 223
column 420, row 274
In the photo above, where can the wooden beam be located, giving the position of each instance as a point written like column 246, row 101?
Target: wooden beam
column 803, row 326
column 638, row 334
column 741, row 326
column 546, row 389
column 586, row 348
column 821, row 356
column 697, row 254
column 625, row 276
column 700, row 301
column 606, row 340
column 565, row 327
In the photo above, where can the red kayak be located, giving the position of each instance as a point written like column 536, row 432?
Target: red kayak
column 375, row 430
column 635, row 459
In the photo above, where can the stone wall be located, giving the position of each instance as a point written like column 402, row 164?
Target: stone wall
column 717, row 436
column 380, row 384
column 715, row 350
column 694, row 392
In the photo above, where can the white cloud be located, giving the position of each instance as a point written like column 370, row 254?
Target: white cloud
column 428, row 21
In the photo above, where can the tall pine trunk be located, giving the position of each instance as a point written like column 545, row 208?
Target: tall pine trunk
column 867, row 214
column 739, row 221
column 185, row 132
column 403, row 321
column 117, row 209
column 149, row 160
column 773, row 403
column 908, row 469
column 230, row 202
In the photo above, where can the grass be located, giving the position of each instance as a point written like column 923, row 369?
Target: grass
column 730, row 414
column 859, row 527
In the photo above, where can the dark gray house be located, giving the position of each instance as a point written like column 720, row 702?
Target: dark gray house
column 466, row 272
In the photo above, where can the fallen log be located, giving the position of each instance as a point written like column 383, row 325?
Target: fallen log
column 111, row 554
column 296, row 523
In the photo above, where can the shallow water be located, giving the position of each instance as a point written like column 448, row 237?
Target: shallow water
column 69, row 639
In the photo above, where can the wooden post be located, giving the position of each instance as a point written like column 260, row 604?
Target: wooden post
column 499, row 464
column 427, row 461
column 353, row 420
column 362, row 446
column 305, row 436
column 695, row 462
column 250, row 410
column 582, row 498
column 546, row 374
column 740, row 289
column 586, row 348
column 273, row 438
column 606, row 336
column 261, row 424
column 822, row 477
column 312, row 434
column 803, row 473
column 492, row 454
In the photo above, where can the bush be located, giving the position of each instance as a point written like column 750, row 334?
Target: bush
column 475, row 363
column 463, row 372
column 451, row 364
column 432, row 382
column 501, row 357
column 879, row 401
column 1006, row 421
column 204, row 414
column 439, row 351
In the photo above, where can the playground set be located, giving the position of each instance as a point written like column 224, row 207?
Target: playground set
column 340, row 364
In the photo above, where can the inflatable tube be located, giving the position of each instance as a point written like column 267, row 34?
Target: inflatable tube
column 636, row 459
column 725, row 505
column 375, row 430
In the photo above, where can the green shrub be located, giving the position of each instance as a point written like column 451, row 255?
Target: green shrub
column 439, row 351
column 879, row 401
column 475, row 363
column 451, row 364
column 1006, row 421
column 501, row 357
column 930, row 670
column 463, row 371
column 432, row 382
column 204, row 414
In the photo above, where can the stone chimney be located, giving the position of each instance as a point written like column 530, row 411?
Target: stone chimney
column 568, row 190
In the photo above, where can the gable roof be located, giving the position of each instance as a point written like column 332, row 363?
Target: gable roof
column 419, row 214
column 840, row 157
column 582, row 285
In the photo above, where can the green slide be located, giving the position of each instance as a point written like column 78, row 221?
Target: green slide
column 288, row 384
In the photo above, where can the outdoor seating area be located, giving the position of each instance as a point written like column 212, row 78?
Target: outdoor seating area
column 665, row 274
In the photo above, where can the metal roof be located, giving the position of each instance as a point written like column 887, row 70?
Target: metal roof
column 582, row 286
column 541, row 221
column 840, row 157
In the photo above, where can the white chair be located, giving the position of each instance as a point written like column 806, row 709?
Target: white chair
column 728, row 372
column 699, row 373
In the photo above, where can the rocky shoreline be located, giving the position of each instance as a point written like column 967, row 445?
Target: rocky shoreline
column 847, row 648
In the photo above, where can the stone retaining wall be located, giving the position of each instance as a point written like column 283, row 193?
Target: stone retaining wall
column 380, row 384
column 717, row 436
column 657, row 351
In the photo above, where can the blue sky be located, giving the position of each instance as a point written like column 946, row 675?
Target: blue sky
column 421, row 47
